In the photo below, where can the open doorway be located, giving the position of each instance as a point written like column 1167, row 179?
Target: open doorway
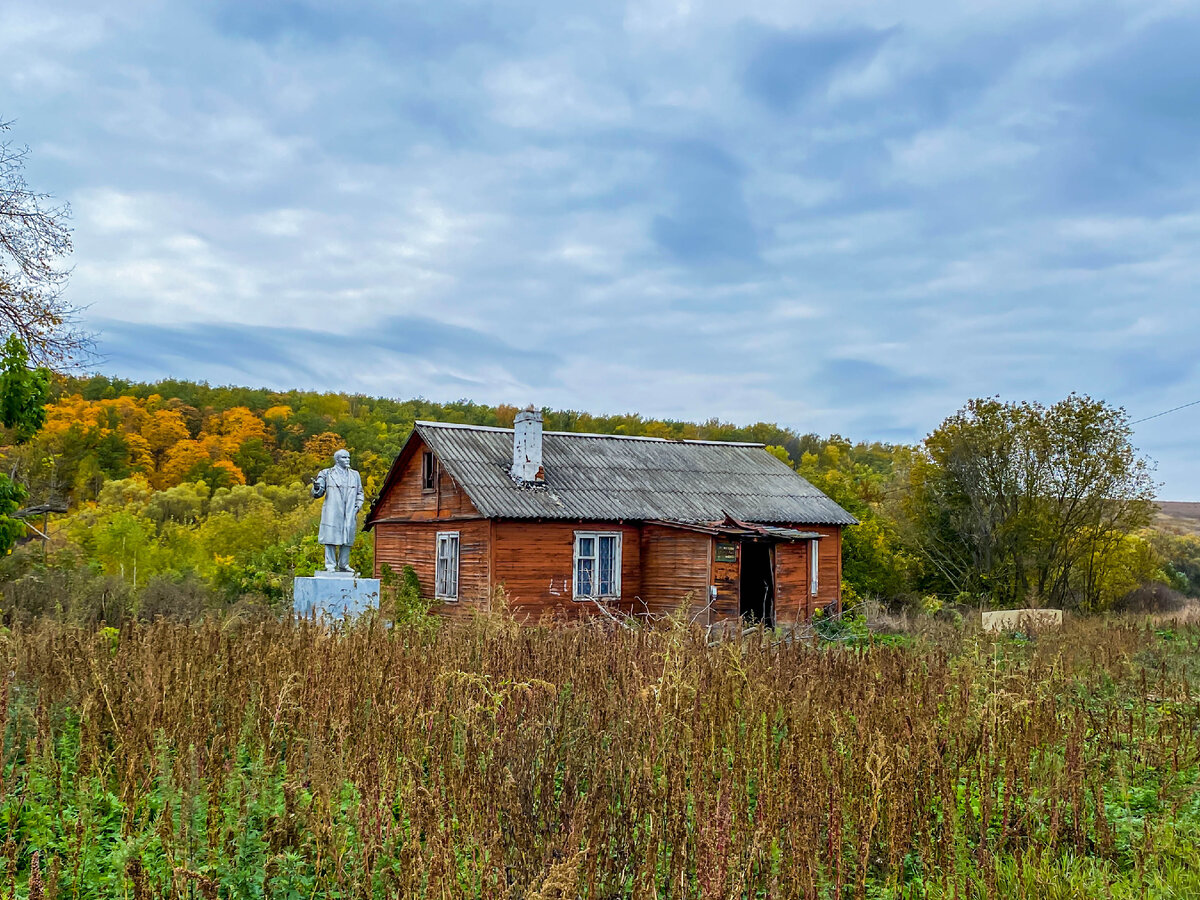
column 758, row 583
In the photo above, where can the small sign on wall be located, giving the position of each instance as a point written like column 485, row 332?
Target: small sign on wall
column 726, row 553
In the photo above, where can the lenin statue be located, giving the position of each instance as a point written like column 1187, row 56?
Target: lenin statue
column 342, row 489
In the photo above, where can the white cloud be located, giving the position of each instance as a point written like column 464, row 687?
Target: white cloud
column 546, row 94
column 944, row 155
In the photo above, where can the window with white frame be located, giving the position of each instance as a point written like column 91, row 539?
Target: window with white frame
column 597, row 565
column 812, row 559
column 446, row 587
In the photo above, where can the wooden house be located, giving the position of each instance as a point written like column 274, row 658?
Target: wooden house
column 566, row 521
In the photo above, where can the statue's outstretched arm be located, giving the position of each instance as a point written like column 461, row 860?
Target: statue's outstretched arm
column 318, row 485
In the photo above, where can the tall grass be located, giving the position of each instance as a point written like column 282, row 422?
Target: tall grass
column 489, row 760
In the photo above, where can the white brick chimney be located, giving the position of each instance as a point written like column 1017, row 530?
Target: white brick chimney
column 527, row 448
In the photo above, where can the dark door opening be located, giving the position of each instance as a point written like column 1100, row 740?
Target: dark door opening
column 758, row 583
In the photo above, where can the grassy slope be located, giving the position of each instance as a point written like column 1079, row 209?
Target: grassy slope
column 1178, row 517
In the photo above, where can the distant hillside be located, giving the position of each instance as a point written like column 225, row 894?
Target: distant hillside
column 172, row 433
column 1178, row 517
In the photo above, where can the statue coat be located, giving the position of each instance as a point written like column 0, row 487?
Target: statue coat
column 343, row 493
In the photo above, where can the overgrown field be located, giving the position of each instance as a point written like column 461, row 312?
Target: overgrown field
column 487, row 760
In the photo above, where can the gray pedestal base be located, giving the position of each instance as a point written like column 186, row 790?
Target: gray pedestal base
column 335, row 595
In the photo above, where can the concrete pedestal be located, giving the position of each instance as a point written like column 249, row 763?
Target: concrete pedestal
column 335, row 595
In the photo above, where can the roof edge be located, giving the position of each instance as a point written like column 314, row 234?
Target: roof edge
column 388, row 479
column 588, row 434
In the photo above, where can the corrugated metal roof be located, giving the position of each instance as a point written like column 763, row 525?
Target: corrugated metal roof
column 607, row 478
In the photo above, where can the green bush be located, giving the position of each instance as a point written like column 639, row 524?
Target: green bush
column 402, row 601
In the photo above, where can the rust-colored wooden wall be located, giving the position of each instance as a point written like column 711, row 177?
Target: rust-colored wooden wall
column 727, row 576
column 406, row 498
column 534, row 561
column 829, row 566
column 675, row 563
column 792, row 604
column 401, row 544
column 793, row 601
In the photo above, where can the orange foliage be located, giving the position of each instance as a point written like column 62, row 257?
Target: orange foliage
column 157, row 435
column 234, row 427
column 119, row 414
column 162, row 431
column 141, row 456
column 505, row 415
column 181, row 459
column 324, row 444
column 239, row 423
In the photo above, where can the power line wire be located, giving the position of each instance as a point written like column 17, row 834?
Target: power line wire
column 1165, row 412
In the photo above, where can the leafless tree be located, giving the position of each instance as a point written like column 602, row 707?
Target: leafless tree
column 35, row 239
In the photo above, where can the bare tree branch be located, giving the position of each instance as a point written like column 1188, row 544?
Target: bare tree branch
column 35, row 239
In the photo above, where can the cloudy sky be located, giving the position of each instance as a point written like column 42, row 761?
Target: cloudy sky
column 844, row 217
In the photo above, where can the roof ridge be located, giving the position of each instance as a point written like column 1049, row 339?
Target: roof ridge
column 589, row 434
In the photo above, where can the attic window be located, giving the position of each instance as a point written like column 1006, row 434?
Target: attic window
column 428, row 472
column 597, row 565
